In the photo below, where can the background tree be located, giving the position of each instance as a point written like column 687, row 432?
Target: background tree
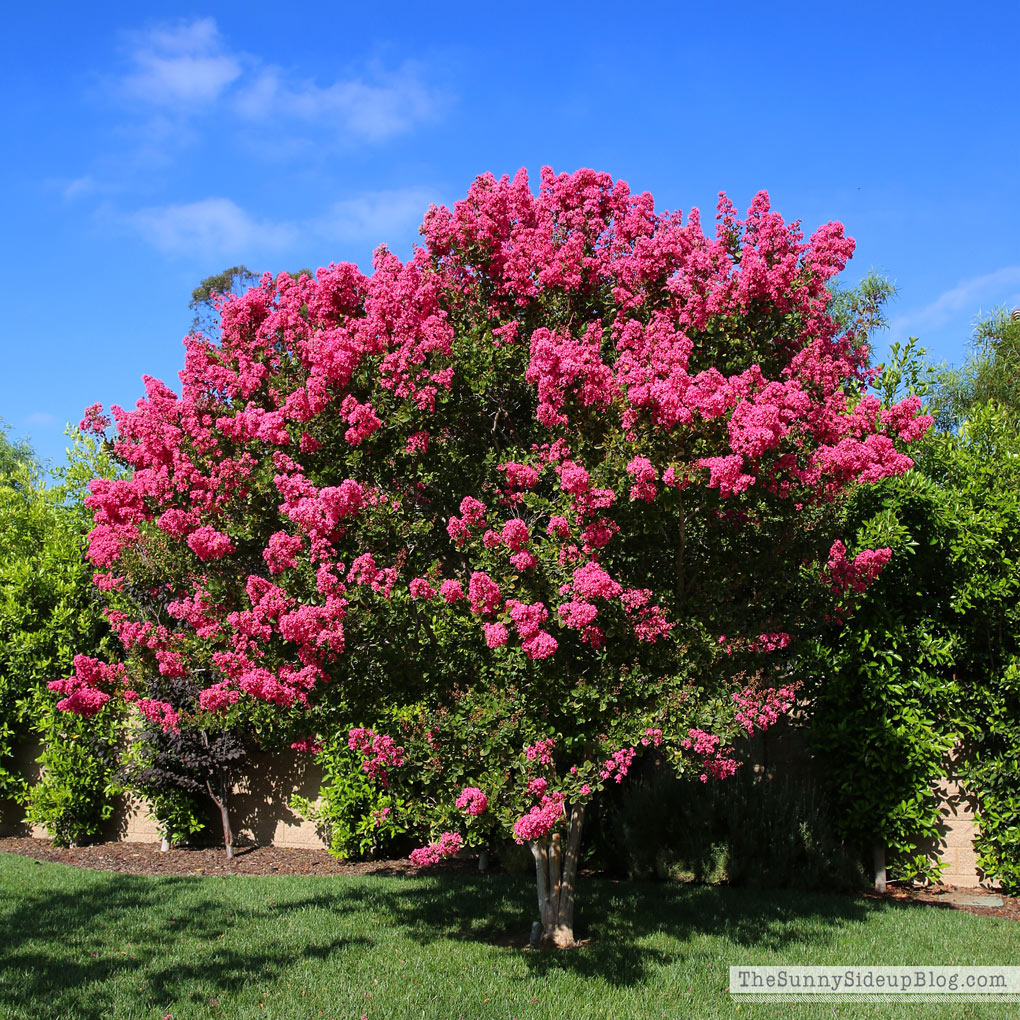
column 927, row 665
column 235, row 280
column 48, row 612
column 572, row 468
column 991, row 373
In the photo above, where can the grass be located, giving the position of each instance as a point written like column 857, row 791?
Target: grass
column 96, row 946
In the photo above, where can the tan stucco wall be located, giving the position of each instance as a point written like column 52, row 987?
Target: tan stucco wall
column 259, row 810
column 959, row 827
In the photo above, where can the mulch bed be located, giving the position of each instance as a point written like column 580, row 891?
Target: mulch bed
column 145, row 859
column 940, row 896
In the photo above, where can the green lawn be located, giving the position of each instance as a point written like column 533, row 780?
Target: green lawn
column 85, row 944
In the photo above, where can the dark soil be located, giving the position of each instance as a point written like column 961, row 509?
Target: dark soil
column 145, row 859
column 940, row 897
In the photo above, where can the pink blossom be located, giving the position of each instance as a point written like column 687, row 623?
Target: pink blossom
column 448, row 844
column 282, row 551
column 591, row 581
column 451, row 591
column 762, row 710
column 574, row 479
column 523, row 560
column 515, row 534
column 473, row 512
column 540, row 645
column 418, row 442
column 519, row 476
column 209, row 544
column 484, row 593
column 472, row 800
column 644, row 475
column 363, row 570
column 421, row 589
column 541, row 751
column 558, row 526
column 94, row 421
column 495, row 634
column 537, row 787
column 378, row 752
column 540, row 820
column 577, row 614
column 618, row 764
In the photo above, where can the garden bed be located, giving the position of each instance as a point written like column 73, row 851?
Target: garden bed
column 146, row 859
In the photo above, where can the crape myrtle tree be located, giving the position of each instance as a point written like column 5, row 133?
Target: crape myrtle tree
column 563, row 481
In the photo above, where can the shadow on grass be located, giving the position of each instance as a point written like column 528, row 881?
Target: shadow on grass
column 127, row 944
column 92, row 944
column 619, row 920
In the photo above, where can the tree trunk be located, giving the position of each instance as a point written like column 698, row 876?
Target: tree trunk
column 228, row 835
column 556, row 876
column 221, row 801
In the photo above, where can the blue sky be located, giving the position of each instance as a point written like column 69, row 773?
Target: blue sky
column 152, row 145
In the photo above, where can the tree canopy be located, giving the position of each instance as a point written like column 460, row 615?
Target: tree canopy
column 557, row 490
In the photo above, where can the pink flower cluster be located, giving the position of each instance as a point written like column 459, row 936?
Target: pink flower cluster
column 94, row 421
column 644, row 475
column 757, row 709
column 282, row 551
column 421, row 589
column 652, row 736
column 378, row 752
column 843, row 574
column 541, row 751
column 448, row 844
column 81, row 690
column 483, row 594
column 209, row 544
column 713, row 761
column 618, row 764
column 536, row 642
column 164, row 715
column 472, row 800
column 540, row 820
column 496, row 634
column 472, row 515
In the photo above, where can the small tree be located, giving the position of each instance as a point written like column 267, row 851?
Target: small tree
column 574, row 459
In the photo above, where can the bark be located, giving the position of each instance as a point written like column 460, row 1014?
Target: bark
column 556, row 878
column 221, row 799
column 878, row 856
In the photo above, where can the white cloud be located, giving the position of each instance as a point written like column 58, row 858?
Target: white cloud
column 40, row 418
column 391, row 104
column 965, row 299
column 212, row 226
column 187, row 68
column 78, row 187
column 219, row 226
column 376, row 216
column 181, row 65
